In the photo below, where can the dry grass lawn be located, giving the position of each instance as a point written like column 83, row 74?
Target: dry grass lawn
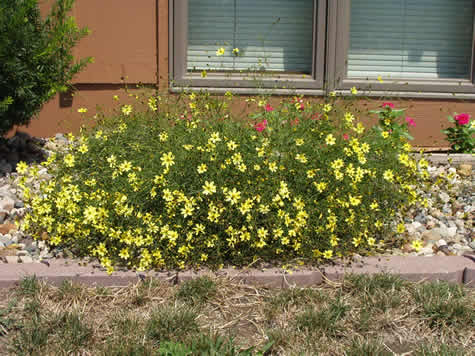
column 379, row 315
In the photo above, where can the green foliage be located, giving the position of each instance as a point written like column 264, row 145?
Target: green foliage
column 167, row 323
column 389, row 122
column 444, row 304
column 326, row 320
column 462, row 135
column 197, row 291
column 29, row 286
column 210, row 346
column 36, row 59
column 183, row 183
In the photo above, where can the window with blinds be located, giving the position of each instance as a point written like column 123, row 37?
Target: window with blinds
column 410, row 39
column 270, row 35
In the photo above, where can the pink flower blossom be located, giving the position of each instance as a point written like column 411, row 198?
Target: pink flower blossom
column 261, row 126
column 294, row 122
column 269, row 108
column 462, row 119
column 346, row 137
column 410, row 121
column 387, row 105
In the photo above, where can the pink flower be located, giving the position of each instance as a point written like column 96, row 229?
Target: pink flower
column 269, row 108
column 410, row 121
column 462, row 119
column 346, row 137
column 387, row 105
column 261, row 126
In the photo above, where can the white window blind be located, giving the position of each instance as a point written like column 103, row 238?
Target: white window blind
column 271, row 35
column 411, row 39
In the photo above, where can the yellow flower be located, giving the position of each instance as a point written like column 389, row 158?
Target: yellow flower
column 337, row 164
column 82, row 110
column 163, row 136
column 311, row 173
column 209, row 188
column 204, row 74
column 126, row 109
column 328, row 254
column 124, row 253
column 233, row 196
column 400, row 228
column 301, row 158
column 167, row 159
column 187, row 210
column 125, row 166
column 299, row 141
column 235, row 51
column 388, row 175
column 355, row 201
column 354, row 91
column 327, row 108
column 385, row 134
column 359, row 128
column 69, row 160
column 21, row 167
column 83, row 148
column 232, row 145
column 330, row 140
column 262, row 233
column 380, row 79
column 152, row 103
column 202, row 168
column 273, row 167
column 349, row 117
column 416, row 245
column 115, row 97
column 332, row 94
column 371, row 241
column 356, row 241
column 220, row 52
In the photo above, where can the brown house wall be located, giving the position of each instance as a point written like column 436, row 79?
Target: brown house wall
column 129, row 42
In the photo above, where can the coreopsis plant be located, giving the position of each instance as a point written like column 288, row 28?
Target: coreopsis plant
column 186, row 183
column 462, row 135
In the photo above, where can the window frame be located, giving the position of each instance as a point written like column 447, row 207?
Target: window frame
column 331, row 35
column 178, row 33
column 337, row 79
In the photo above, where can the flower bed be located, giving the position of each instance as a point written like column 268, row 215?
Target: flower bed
column 184, row 184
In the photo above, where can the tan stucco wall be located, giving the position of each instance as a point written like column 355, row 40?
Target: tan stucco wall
column 125, row 44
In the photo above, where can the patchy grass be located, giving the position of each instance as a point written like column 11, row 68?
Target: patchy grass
column 379, row 315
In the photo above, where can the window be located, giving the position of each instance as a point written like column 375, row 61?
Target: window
column 278, row 43
column 401, row 46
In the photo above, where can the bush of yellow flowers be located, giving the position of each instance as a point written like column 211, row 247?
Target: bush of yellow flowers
column 188, row 184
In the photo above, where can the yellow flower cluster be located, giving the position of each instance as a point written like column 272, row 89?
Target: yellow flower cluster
column 220, row 192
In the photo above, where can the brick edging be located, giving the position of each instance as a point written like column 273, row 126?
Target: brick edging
column 457, row 269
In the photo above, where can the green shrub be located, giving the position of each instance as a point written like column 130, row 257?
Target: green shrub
column 36, row 58
column 185, row 183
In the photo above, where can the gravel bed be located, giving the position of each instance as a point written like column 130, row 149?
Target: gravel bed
column 445, row 227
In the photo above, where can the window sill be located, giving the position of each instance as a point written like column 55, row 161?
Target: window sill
column 320, row 92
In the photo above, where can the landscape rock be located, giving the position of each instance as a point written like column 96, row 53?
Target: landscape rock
column 7, row 227
column 7, row 204
column 26, row 259
column 11, row 259
column 465, row 170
